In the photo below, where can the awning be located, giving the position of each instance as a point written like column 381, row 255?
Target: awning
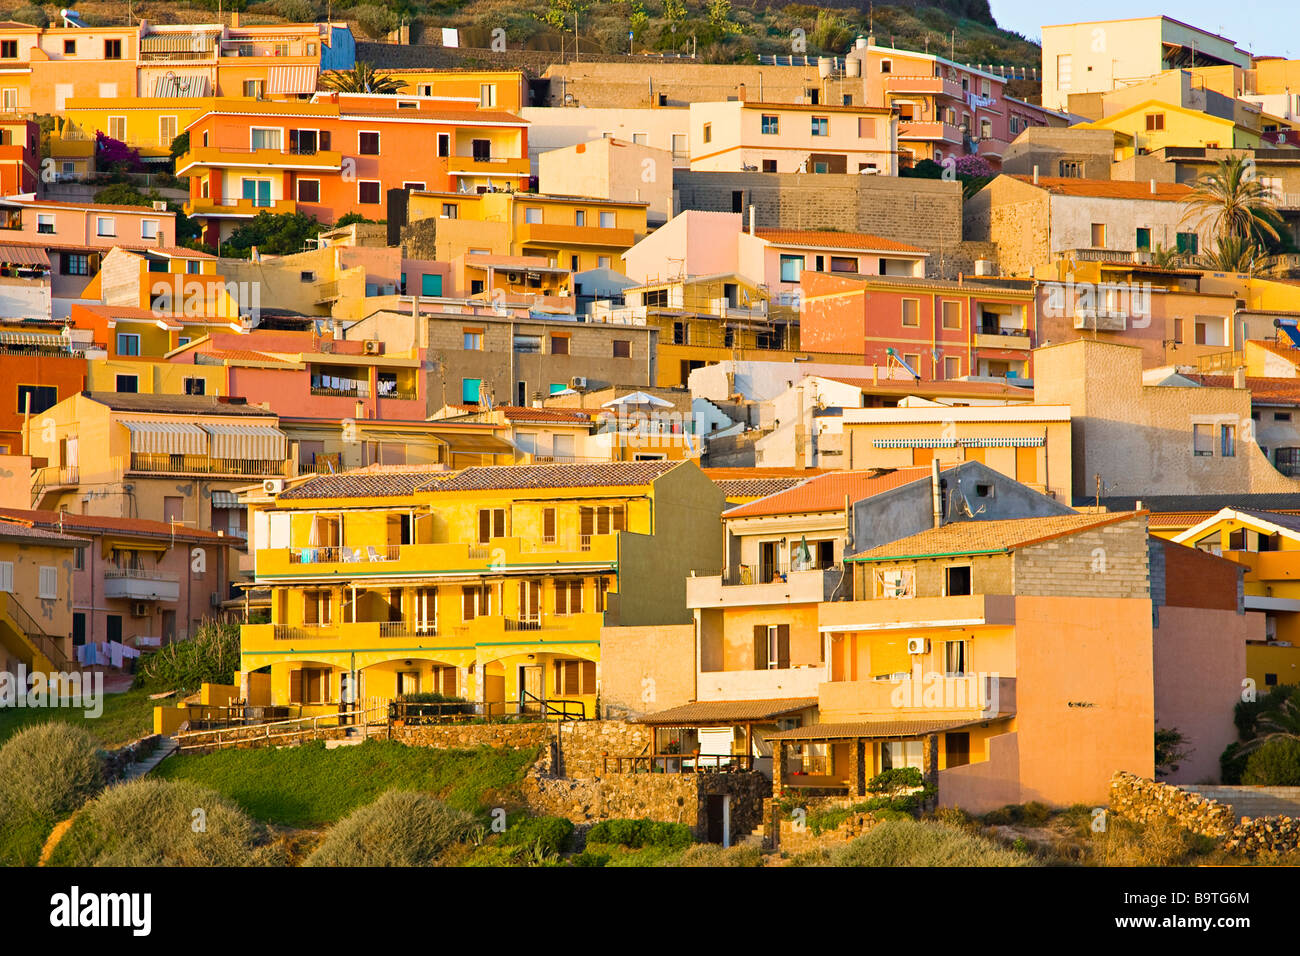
column 477, row 444
column 225, row 499
column 170, row 438
column 727, row 711
column 175, row 86
column 1003, row 355
column 881, row 729
column 17, row 255
column 291, row 79
column 187, row 42
column 255, row 442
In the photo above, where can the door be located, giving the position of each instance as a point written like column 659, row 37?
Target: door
column 768, row 564
column 530, row 602
column 168, row 626
column 408, row 682
column 258, row 190
column 78, row 629
column 114, row 622
column 530, row 686
column 718, row 810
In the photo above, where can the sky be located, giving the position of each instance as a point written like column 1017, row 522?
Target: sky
column 1253, row 25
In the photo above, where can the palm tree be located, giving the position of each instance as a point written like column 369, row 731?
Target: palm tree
column 1165, row 258
column 1233, row 254
column 362, row 78
column 1279, row 724
column 1234, row 203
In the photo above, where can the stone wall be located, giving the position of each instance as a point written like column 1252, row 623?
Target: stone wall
column 246, row 738
column 583, row 745
column 115, row 762
column 793, row 837
column 469, row 736
column 1135, row 798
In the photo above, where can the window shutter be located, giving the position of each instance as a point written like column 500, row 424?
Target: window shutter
column 620, row 516
column 499, row 523
column 561, row 598
column 484, row 526
column 575, row 597
column 602, row 521
column 295, row 687
column 760, row 647
column 548, row 523
column 467, row 604
column 588, row 520
column 324, row 139
column 588, row 677
column 559, row 677
column 783, row 645
column 7, row 576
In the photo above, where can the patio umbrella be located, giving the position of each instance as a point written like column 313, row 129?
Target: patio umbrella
column 803, row 556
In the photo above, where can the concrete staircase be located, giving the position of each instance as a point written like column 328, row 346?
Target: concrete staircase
column 761, row 835
column 166, row 747
column 1254, row 802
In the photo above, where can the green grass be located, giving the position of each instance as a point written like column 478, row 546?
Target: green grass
column 126, row 717
column 22, row 839
column 309, row 785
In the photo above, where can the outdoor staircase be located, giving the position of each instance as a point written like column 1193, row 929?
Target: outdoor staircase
column 1254, row 802
column 761, row 836
column 166, row 747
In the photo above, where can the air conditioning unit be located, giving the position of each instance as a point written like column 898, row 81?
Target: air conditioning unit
column 159, row 206
column 578, row 381
column 139, row 609
column 917, row 645
column 513, row 276
column 273, row 486
column 373, row 346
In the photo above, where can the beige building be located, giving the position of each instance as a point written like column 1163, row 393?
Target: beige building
column 793, row 138
column 559, row 127
column 609, row 168
column 621, row 86
column 1102, row 55
column 1075, row 153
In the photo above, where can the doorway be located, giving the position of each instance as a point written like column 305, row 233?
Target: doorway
column 718, row 810
column 530, row 688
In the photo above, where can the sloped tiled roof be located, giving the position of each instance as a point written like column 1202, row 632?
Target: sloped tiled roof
column 1263, row 390
column 11, row 529
column 877, row 729
column 363, row 483
column 846, row 240
column 176, row 404
column 1109, row 188
column 976, row 537
column 723, row 711
column 521, row 413
column 1285, row 349
column 953, row 389
column 104, row 524
column 606, row 474
column 827, row 492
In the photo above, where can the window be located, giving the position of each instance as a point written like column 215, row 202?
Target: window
column 105, row 226
column 575, row 678
column 844, row 264
column 821, row 126
column 708, row 132
column 956, row 749
column 533, row 214
column 45, row 224
column 580, row 217
column 48, row 583
column 559, row 345
column 7, row 577
column 261, row 138
column 37, row 398
column 951, row 368
column 431, row 285
column 1228, row 441
column 69, row 47
column 309, row 190
column 769, row 165
column 1281, row 416
column 622, row 348
column 1064, row 71
column 607, row 220
column 112, row 49
column 1202, row 441
column 897, row 754
column 128, row 383
column 149, row 228
column 491, row 524
column 655, row 298
column 449, row 210
column 527, row 344
column 444, row 144
column 952, row 315
column 128, row 343
column 791, row 266
column 1178, row 331
column 1098, row 233
column 310, row 685
column 912, row 313
column 487, row 94
column 253, row 89
column 954, row 657
column 771, row 125
column 771, row 647
column 894, row 582
column 196, row 386
column 568, row 597
column 368, row 144
column 166, row 130
column 9, row 100
column 469, row 390
column 368, row 192
column 1143, row 240
column 1188, row 243
column 1155, row 122
column 548, row 525
column 956, row 580
column 473, row 340
column 986, row 128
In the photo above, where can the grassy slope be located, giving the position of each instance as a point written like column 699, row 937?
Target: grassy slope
column 126, row 717
column 308, row 785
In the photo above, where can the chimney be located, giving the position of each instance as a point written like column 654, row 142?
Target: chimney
column 1239, row 377
column 1035, row 175
column 234, row 18
column 1153, row 187
column 936, row 501
column 751, row 219
column 740, row 92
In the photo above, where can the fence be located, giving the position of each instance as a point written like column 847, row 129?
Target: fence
column 677, row 763
column 290, row 732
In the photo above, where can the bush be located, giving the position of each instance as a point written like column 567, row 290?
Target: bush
column 401, row 828
column 1232, row 764
column 163, row 823
column 210, row 656
column 1032, row 814
column 30, row 13
column 891, row 781
column 1275, row 764
column 590, row 858
column 49, row 770
column 375, row 21
column 551, row 834
column 711, row 854
column 296, row 11
column 910, row 843
column 1158, row 843
column 641, row 833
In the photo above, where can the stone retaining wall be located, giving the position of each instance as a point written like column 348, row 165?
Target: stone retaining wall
column 115, row 762
column 1135, row 798
column 795, row 838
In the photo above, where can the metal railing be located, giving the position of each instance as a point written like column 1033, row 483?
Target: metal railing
column 290, row 732
column 415, row 713
column 341, row 554
column 677, row 763
column 43, row 642
column 359, row 391
column 140, row 574
column 163, row 463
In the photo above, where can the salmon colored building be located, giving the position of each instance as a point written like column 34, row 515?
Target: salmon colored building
column 340, row 154
column 20, row 156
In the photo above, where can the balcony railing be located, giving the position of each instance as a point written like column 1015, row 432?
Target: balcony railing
column 342, row 554
column 161, row 463
column 677, row 763
column 139, row 574
column 360, row 390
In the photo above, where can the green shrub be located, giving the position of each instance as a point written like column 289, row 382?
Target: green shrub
column 1032, row 814
column 1232, row 764
column 1276, row 763
column 30, row 13
column 1247, row 712
column 891, row 781
column 296, row 11
column 163, row 823
column 210, row 656
column 711, row 854
column 401, row 828
column 375, row 21
column 552, row 834
column 590, row 858
column 911, row 843
column 49, row 770
column 641, row 833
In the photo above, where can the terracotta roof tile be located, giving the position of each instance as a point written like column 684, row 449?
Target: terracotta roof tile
column 827, row 492
column 954, row 389
column 723, row 711
column 846, row 240
column 1263, row 390
column 386, row 483
column 878, row 729
column 103, row 524
column 13, row 529
column 604, row 475
column 521, row 413
column 1109, row 188
column 973, row 537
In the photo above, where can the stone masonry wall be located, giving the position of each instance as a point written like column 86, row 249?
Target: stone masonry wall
column 1110, row 561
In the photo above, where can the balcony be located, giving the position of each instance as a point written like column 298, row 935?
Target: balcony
column 933, row 694
column 238, row 207
column 930, row 131
column 158, row 463
column 739, row 587
column 760, row 685
column 1004, row 339
column 923, row 86
column 898, row 614
column 537, row 233
column 991, row 146
column 487, row 166
column 266, row 160
column 359, row 390
column 409, row 636
column 136, row 584
column 1100, row 320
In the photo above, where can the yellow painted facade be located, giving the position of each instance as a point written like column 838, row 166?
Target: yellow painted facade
column 491, row 89
column 1155, row 124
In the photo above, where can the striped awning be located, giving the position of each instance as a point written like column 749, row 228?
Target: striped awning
column 17, row 255
column 194, row 41
column 1038, row 442
column 914, row 443
column 225, row 499
column 171, row 438
column 176, row 86
column 291, row 79
column 254, row 442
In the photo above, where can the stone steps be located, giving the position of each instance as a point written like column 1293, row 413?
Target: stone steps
column 166, row 747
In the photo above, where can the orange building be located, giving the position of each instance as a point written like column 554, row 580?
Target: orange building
column 341, row 153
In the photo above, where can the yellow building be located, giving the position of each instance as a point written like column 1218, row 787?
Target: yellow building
column 1267, row 544
column 491, row 584
column 146, row 123
column 154, row 377
column 36, row 585
column 569, row 231
column 1154, row 124
column 490, row 89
